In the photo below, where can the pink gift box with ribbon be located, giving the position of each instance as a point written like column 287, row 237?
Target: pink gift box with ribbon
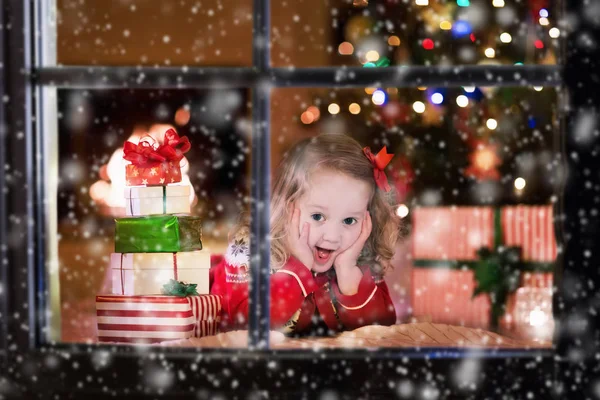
column 445, row 236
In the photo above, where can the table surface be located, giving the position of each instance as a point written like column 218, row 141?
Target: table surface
column 423, row 334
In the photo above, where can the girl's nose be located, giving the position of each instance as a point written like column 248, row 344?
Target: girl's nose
column 331, row 234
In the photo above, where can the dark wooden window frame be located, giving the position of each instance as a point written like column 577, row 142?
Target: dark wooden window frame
column 34, row 364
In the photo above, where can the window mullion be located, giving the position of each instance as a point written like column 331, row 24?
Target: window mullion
column 260, row 249
column 18, row 177
column 414, row 76
column 210, row 78
column 120, row 77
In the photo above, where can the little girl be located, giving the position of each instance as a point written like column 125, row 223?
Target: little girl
column 332, row 238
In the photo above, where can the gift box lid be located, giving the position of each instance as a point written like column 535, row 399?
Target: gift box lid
column 140, row 192
column 148, row 261
column 204, row 307
column 130, row 301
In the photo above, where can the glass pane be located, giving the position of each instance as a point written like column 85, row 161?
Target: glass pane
column 144, row 32
column 474, row 168
column 123, row 241
column 415, row 32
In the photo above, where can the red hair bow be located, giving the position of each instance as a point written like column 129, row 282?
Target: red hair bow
column 145, row 154
column 379, row 162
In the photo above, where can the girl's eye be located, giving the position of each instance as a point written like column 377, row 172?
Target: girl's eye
column 318, row 217
column 350, row 221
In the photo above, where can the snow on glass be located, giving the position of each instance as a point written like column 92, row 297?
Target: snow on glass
column 94, row 124
column 335, row 32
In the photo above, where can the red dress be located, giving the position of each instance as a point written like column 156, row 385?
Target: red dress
column 301, row 301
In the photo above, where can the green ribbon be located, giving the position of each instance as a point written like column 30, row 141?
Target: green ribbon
column 180, row 289
column 496, row 272
column 526, row 266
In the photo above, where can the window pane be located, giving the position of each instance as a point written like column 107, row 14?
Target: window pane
column 112, row 245
column 143, row 32
column 415, row 32
column 473, row 168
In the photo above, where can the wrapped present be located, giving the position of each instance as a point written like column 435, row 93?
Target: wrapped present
column 154, row 200
column 444, row 295
column 154, row 164
column 207, row 310
column 532, row 229
column 153, row 319
column 147, row 273
column 158, row 234
column 155, row 174
column 530, row 283
column 531, row 313
column 456, row 233
column 453, row 278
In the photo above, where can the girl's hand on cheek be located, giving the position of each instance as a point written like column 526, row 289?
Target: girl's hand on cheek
column 347, row 258
column 298, row 240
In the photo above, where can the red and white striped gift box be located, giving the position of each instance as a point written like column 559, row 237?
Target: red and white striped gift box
column 152, row 319
column 529, row 281
column 443, row 295
column 206, row 310
column 532, row 313
column 451, row 233
column 531, row 228
column 455, row 234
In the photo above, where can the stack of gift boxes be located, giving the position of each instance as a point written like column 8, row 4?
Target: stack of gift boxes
column 160, row 275
column 446, row 241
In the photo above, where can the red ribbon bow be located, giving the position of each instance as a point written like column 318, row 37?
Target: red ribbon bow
column 379, row 162
column 144, row 154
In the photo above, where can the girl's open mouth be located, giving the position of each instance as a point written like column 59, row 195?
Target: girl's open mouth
column 322, row 255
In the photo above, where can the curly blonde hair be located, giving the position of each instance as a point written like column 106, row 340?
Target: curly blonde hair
column 338, row 153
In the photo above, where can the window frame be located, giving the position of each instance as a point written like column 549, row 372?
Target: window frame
column 25, row 77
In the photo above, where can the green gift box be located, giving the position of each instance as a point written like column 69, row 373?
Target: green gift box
column 158, row 234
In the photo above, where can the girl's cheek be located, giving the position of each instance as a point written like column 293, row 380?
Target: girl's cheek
column 313, row 235
column 303, row 219
column 352, row 236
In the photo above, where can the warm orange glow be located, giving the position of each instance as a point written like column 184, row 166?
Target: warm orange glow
column 307, row 117
column 484, row 162
column 394, row 41
column 392, row 90
column 99, row 190
column 485, row 159
column 182, row 116
column 354, row 108
column 346, row 48
column 370, row 90
column 315, row 112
